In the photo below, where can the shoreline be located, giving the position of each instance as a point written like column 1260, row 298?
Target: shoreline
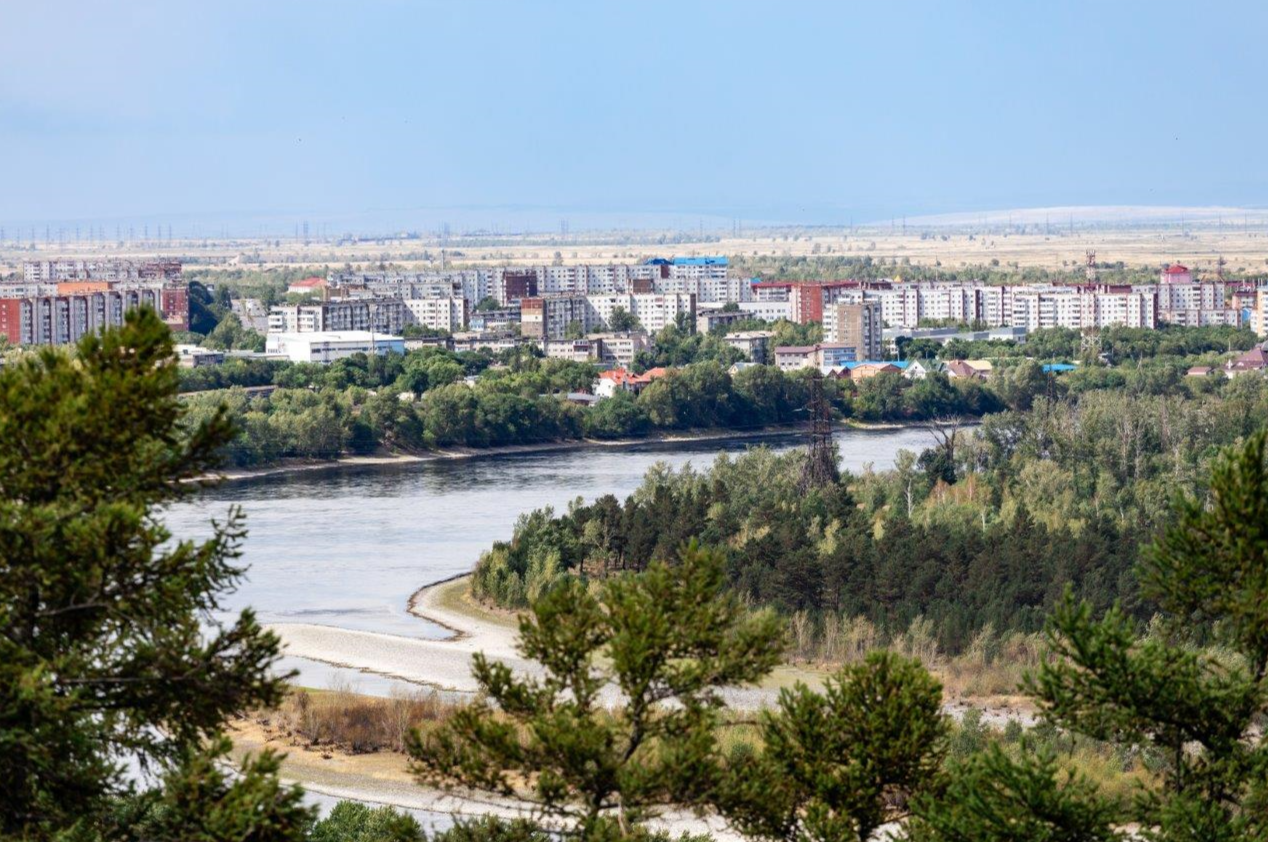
column 456, row 453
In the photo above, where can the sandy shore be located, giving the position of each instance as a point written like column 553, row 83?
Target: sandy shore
column 443, row 664
column 446, row 664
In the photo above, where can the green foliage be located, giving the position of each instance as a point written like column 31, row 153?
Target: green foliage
column 109, row 646
column 201, row 800
column 1209, row 570
column 230, row 373
column 204, row 315
column 668, row 640
column 623, row 320
column 351, row 821
column 490, row 829
column 992, row 798
column 681, row 346
column 839, row 765
column 230, row 335
column 822, row 553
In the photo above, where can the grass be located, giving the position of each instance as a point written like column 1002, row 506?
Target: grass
column 455, row 596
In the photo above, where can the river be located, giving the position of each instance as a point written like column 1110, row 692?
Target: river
column 346, row 547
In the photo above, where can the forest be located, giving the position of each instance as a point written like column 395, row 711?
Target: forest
column 983, row 530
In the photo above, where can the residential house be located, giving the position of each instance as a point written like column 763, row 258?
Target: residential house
column 972, row 369
column 1254, row 360
column 620, row 379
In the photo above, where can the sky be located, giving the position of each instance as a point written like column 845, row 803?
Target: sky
column 253, row 115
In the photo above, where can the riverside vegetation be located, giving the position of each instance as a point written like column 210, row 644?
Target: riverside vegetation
column 423, row 400
column 964, row 549
column 1186, row 700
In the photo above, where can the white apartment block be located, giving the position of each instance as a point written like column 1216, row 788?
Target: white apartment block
column 437, row 313
column 768, row 311
column 654, row 311
column 111, row 269
column 1259, row 312
column 548, row 317
column 1040, row 308
column 382, row 315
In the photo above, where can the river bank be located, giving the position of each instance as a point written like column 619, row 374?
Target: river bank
column 456, row 453
column 383, row 777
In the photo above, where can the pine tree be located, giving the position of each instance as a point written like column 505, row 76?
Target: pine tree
column 668, row 639
column 836, row 766
column 1198, row 709
column 109, row 645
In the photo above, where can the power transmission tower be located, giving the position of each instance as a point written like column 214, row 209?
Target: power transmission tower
column 821, row 457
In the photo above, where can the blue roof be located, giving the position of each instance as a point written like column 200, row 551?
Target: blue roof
column 1058, row 367
column 899, row 364
column 700, row 261
column 657, row 261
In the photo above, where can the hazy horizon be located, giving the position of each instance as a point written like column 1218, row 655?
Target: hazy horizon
column 249, row 119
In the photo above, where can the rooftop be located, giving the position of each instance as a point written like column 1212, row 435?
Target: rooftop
column 700, row 261
column 337, row 336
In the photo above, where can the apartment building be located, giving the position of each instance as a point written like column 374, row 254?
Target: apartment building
column 72, row 309
column 109, row 269
column 1259, row 312
column 67, row 293
column 65, row 319
column 708, row 319
column 824, row 355
column 449, row 313
column 381, row 315
column 548, row 317
column 1040, row 308
column 754, row 344
column 768, row 311
column 654, row 311
column 856, row 325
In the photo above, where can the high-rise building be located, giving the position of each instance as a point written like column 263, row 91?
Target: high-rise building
column 854, row 324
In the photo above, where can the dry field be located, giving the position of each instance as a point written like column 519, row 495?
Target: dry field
column 1244, row 248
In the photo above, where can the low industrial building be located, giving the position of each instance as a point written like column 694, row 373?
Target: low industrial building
column 326, row 346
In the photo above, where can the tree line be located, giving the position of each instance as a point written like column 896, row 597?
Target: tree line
column 423, row 400
column 983, row 529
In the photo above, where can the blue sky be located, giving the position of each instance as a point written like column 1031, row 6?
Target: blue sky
column 261, row 113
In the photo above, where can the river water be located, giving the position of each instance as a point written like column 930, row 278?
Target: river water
column 346, row 547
